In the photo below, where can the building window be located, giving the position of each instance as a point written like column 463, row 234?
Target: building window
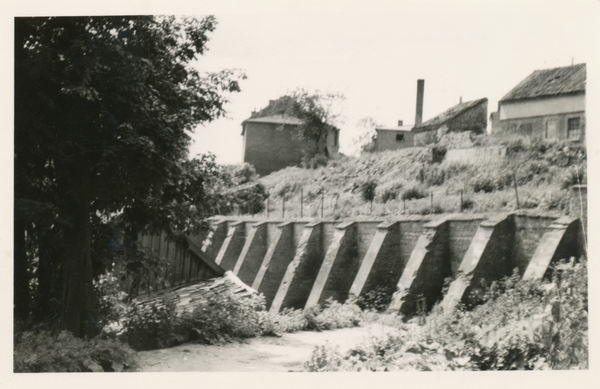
column 573, row 129
column 399, row 137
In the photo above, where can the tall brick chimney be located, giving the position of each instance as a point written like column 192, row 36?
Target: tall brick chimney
column 420, row 93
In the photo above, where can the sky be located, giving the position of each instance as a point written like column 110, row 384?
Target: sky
column 373, row 53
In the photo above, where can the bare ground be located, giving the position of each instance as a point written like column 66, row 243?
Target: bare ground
column 263, row 354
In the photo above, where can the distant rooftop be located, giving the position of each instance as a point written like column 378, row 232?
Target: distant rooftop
column 550, row 82
column 397, row 128
column 278, row 119
column 450, row 113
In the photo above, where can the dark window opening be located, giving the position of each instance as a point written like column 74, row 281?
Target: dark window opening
column 399, row 137
column 573, row 129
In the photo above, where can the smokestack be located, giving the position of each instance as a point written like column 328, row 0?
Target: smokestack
column 420, row 93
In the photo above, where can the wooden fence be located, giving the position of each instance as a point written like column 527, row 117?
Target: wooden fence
column 183, row 263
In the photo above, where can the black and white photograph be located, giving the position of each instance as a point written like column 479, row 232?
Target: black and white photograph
column 314, row 187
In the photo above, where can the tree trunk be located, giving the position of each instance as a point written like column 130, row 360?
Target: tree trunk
column 21, row 276
column 78, row 313
column 46, row 274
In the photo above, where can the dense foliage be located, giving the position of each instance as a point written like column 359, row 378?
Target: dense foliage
column 38, row 351
column 227, row 317
column 103, row 111
column 318, row 111
column 521, row 325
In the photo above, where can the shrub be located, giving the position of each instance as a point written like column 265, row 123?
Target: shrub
column 573, row 176
column 152, row 326
column 376, row 299
column 323, row 359
column 436, row 177
column 530, row 169
column 224, row 317
column 41, row 351
column 253, row 199
column 519, row 325
column 318, row 160
column 333, row 315
column 438, row 152
column 367, row 189
column 242, row 174
column 467, row 204
column 111, row 301
column 483, row 183
column 413, row 192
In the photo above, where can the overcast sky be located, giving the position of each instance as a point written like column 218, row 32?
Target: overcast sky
column 374, row 52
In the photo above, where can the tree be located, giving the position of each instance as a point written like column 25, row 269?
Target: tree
column 368, row 138
column 319, row 111
column 103, row 111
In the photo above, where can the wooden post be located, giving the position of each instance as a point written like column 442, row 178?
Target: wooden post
column 301, row 202
column 404, row 210
column 283, row 208
column 431, row 202
column 322, row 202
column 461, row 201
column 516, row 191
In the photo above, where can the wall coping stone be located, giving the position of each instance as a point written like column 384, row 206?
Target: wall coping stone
column 344, row 225
column 563, row 222
column 387, row 225
column 494, row 221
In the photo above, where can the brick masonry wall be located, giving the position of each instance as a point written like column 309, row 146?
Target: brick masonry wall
column 344, row 268
column 257, row 248
column 388, row 266
column 528, row 232
column 302, row 271
column 495, row 261
column 409, row 234
column 476, row 154
column 460, row 236
column 386, row 140
column 270, row 147
column 284, row 252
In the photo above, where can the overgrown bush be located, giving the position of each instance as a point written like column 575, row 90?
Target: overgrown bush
column 317, row 160
column 219, row 318
column 413, row 192
column 520, row 325
column 333, row 315
column 483, row 183
column 438, row 152
column 111, row 299
column 242, row 174
column 436, row 176
column 573, row 176
column 152, row 326
column 367, row 190
column 41, row 351
column 224, row 317
column 377, row 299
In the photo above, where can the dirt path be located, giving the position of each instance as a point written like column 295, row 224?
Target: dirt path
column 264, row 354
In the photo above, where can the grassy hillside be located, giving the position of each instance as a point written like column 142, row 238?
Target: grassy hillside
column 405, row 180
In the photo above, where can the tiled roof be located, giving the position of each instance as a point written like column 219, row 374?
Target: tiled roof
column 550, row 82
column 399, row 128
column 187, row 297
column 278, row 119
column 451, row 113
